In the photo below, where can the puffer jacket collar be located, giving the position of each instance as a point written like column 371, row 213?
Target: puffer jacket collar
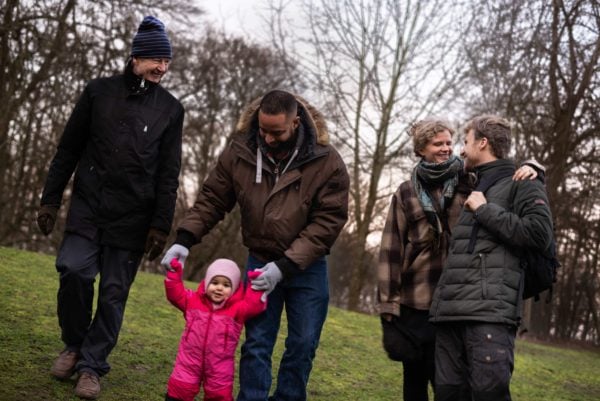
column 492, row 167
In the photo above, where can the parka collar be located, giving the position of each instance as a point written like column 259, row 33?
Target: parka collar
column 136, row 84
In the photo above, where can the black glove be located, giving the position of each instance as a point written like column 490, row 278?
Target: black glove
column 398, row 342
column 155, row 243
column 46, row 218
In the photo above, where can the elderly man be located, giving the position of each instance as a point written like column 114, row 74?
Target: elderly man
column 123, row 140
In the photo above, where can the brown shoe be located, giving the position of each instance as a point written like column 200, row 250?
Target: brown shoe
column 64, row 365
column 88, row 386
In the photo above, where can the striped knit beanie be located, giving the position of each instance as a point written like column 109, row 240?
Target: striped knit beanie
column 151, row 40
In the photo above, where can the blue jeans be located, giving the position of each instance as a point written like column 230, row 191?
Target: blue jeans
column 306, row 299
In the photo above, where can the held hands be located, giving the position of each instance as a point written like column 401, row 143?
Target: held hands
column 268, row 279
column 253, row 274
column 175, row 271
column 46, row 218
column 176, row 251
column 475, row 200
column 155, row 243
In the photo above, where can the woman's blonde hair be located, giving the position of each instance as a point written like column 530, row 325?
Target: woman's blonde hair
column 423, row 131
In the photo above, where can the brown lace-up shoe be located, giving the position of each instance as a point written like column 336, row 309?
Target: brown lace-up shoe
column 64, row 365
column 88, row 386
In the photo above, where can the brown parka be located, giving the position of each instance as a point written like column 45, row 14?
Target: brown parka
column 297, row 216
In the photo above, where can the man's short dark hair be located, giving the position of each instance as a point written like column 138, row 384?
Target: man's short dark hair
column 278, row 102
column 495, row 129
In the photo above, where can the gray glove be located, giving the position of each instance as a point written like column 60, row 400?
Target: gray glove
column 270, row 276
column 176, row 251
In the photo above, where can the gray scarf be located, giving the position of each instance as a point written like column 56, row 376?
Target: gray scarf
column 427, row 175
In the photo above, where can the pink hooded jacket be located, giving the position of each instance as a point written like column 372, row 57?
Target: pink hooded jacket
column 208, row 343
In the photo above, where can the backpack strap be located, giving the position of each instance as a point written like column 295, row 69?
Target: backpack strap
column 512, row 194
column 483, row 186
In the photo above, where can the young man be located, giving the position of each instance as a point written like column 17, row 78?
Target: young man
column 124, row 138
column 292, row 189
column 477, row 303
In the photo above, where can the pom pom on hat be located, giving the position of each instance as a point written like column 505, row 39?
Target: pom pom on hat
column 151, row 40
column 224, row 267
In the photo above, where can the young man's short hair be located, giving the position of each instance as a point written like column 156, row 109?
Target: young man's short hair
column 495, row 129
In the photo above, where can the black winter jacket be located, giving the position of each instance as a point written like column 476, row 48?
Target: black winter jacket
column 486, row 285
column 126, row 145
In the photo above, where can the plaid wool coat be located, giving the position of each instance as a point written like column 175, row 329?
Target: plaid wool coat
column 410, row 264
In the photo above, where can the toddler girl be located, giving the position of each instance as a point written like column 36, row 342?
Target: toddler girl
column 214, row 316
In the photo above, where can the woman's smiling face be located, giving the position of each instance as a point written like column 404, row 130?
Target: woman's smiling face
column 438, row 149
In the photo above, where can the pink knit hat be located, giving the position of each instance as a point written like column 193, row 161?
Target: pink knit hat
column 223, row 267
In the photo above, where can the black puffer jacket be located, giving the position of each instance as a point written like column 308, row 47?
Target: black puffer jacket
column 126, row 144
column 486, row 285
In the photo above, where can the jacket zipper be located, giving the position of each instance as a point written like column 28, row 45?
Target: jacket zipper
column 484, row 287
column 188, row 329
column 205, row 341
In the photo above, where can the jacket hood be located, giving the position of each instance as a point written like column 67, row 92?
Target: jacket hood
column 311, row 117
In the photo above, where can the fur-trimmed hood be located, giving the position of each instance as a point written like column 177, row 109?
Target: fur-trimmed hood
column 296, row 209
column 309, row 115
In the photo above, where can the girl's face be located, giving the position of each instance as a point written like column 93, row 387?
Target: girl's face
column 219, row 289
column 438, row 149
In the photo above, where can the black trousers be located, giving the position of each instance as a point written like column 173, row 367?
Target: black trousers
column 474, row 361
column 410, row 339
column 79, row 261
column 418, row 374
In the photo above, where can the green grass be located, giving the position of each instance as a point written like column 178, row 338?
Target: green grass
column 350, row 363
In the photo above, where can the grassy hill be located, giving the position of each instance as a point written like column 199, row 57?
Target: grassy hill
column 350, row 363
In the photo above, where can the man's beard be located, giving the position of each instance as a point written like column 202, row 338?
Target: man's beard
column 281, row 150
column 282, row 146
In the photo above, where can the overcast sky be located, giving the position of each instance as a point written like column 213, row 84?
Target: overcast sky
column 240, row 17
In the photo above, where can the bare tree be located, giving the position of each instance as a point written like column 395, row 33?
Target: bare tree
column 377, row 66
column 538, row 63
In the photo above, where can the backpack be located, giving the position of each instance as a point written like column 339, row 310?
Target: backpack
column 539, row 267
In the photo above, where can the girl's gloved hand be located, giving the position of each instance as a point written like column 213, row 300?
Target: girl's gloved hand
column 175, row 271
column 176, row 251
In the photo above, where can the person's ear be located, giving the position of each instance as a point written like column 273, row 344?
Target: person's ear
column 296, row 122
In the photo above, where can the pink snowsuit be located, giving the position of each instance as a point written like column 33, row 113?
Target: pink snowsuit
column 207, row 348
